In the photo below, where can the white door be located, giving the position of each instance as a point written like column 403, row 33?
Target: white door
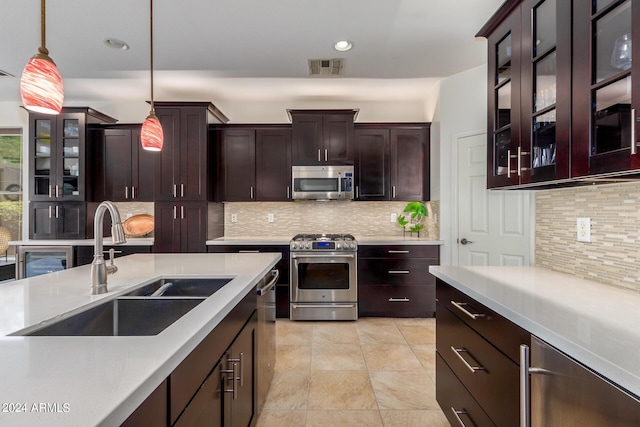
column 493, row 226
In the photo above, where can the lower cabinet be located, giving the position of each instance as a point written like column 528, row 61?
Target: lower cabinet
column 282, row 287
column 153, row 411
column 84, row 254
column 180, row 227
column 394, row 280
column 57, row 220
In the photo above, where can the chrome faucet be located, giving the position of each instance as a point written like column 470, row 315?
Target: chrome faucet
column 99, row 269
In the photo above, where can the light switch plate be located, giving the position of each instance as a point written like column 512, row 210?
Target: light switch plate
column 234, row 217
column 270, row 217
column 394, row 217
column 584, row 229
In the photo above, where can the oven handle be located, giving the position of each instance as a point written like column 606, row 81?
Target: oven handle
column 322, row 256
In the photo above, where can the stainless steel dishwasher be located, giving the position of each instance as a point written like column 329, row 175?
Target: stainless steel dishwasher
column 266, row 336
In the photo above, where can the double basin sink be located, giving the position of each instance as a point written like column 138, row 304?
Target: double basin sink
column 146, row 310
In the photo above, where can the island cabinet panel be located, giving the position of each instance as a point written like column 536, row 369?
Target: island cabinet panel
column 199, row 386
column 123, row 169
column 282, row 286
column 153, row 411
column 322, row 137
column 478, row 351
column 180, row 226
column 394, row 280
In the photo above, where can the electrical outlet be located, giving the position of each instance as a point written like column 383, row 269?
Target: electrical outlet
column 394, row 217
column 584, row 229
column 435, row 218
column 234, row 217
column 271, row 217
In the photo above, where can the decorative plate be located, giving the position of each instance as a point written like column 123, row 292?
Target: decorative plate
column 138, row 225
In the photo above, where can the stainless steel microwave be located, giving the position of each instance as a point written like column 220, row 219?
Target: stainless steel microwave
column 322, row 182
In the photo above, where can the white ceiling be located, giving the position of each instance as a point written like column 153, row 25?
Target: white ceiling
column 221, row 50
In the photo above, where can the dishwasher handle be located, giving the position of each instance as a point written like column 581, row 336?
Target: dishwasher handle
column 266, row 288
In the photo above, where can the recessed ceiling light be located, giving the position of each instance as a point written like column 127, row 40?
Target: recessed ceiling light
column 116, row 44
column 343, row 45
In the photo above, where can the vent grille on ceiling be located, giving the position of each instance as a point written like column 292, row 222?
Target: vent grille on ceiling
column 5, row 74
column 326, row 67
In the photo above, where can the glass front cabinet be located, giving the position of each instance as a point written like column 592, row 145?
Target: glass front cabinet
column 561, row 103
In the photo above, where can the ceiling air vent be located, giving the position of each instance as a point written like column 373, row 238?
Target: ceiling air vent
column 326, row 67
column 5, row 74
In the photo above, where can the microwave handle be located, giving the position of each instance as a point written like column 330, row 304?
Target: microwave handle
column 339, row 184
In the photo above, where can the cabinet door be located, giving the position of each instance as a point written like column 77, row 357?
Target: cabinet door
column 143, row 163
column 239, row 154
column 273, row 165
column 71, row 219
column 503, row 127
column 42, row 156
column 605, row 98
column 193, row 226
column 42, row 223
column 337, row 139
column 167, row 228
column 205, row 409
column 372, row 164
column 306, row 133
column 116, row 154
column 409, row 164
column 194, row 156
column 240, row 408
column 167, row 172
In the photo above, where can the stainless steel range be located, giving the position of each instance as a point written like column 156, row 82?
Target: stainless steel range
column 324, row 283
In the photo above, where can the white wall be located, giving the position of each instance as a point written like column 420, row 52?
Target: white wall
column 462, row 109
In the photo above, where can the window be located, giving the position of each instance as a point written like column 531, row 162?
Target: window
column 10, row 187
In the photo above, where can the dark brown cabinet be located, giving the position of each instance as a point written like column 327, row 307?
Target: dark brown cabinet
column 57, row 220
column 239, row 378
column 392, row 162
column 184, row 169
column 256, row 164
column 124, row 170
column 282, row 286
column 394, row 280
column 322, row 137
column 153, row 411
column 180, row 227
column 477, row 356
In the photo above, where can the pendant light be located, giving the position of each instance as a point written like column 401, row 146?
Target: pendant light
column 41, row 85
column 151, row 136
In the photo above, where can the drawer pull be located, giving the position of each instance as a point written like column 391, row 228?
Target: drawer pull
column 399, row 300
column 398, row 272
column 460, row 306
column 457, row 352
column 397, row 252
column 457, row 414
column 248, row 252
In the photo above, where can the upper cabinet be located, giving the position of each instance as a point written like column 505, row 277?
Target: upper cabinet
column 392, row 161
column 560, row 95
column 58, row 154
column 322, row 137
column 184, row 169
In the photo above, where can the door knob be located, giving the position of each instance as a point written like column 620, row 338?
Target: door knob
column 464, row 241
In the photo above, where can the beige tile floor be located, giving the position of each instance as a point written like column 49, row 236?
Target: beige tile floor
column 374, row 372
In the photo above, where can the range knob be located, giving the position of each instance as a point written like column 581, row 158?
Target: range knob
column 294, row 245
column 308, row 245
column 352, row 245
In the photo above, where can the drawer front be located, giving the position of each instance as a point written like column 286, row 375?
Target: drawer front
column 458, row 405
column 400, row 251
column 502, row 333
column 396, row 301
column 488, row 374
column 414, row 271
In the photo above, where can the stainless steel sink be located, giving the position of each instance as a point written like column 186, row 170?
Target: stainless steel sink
column 181, row 287
column 122, row 317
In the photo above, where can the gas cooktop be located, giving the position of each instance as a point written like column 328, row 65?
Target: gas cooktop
column 323, row 242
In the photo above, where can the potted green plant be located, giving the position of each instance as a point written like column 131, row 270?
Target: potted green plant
column 413, row 224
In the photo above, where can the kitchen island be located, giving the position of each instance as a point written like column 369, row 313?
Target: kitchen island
column 80, row 381
column 595, row 324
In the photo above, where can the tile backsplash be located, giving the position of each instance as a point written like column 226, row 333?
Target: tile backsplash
column 613, row 255
column 290, row 218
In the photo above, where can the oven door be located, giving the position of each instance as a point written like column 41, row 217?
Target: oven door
column 323, row 277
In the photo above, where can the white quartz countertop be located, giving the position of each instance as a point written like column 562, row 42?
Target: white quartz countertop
column 596, row 324
column 284, row 240
column 131, row 241
column 101, row 380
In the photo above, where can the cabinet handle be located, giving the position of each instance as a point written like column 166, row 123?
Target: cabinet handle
column 457, row 352
column 319, row 155
column 175, row 212
column 50, row 192
column 240, row 361
column 175, row 190
column 357, row 192
column 182, row 212
column 251, row 192
column 397, row 252
column 519, row 163
column 126, row 192
column 50, row 207
column 181, row 190
column 393, row 192
column 57, row 211
column 288, row 192
column 398, row 272
column 508, row 164
column 457, row 414
column 525, row 384
column 133, row 192
column 399, row 299
column 57, row 191
column 326, row 155
column 634, row 148
column 248, row 252
column 234, row 378
column 460, row 306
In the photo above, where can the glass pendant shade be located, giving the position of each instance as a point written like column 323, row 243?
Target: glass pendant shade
column 41, row 85
column 151, row 136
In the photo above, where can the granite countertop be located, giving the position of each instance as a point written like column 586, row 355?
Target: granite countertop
column 594, row 323
column 362, row 240
column 102, row 380
column 131, row 241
